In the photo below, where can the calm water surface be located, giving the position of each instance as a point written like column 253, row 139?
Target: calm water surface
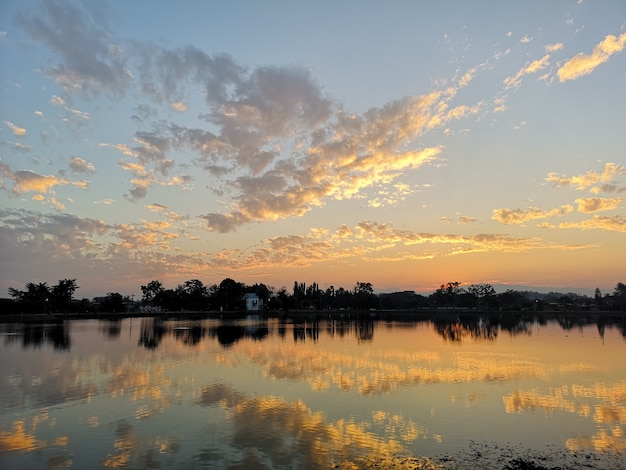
column 256, row 393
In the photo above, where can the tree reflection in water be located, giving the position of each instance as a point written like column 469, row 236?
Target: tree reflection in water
column 450, row 325
column 36, row 335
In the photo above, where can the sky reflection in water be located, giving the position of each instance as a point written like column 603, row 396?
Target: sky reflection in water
column 145, row 393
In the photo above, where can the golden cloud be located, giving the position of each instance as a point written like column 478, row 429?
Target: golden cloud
column 583, row 64
column 609, row 414
column 615, row 224
column 17, row 131
column 146, row 235
column 584, row 181
column 588, row 205
column 519, row 216
column 533, row 67
column 317, row 442
column 554, row 47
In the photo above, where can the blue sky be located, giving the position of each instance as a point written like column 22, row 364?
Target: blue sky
column 403, row 144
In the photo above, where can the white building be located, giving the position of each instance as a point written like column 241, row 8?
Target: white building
column 253, row 303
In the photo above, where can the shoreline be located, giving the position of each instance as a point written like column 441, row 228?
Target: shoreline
column 317, row 315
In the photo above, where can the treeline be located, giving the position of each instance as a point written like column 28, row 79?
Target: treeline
column 228, row 295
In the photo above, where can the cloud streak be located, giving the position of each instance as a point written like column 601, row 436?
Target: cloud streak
column 520, row 216
column 583, row 64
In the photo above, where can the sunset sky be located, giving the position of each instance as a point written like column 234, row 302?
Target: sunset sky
column 406, row 144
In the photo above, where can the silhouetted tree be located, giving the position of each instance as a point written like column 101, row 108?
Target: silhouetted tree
column 34, row 299
column 364, row 298
column 484, row 295
column 151, row 292
column 619, row 296
column 193, row 295
column 597, row 297
column 229, row 295
column 62, row 294
column 447, row 294
column 113, row 303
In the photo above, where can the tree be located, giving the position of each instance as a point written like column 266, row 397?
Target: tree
column 620, row 295
column 446, row 295
column 193, row 294
column 597, row 297
column 63, row 293
column 113, row 302
column 229, row 294
column 364, row 297
column 483, row 294
column 34, row 299
column 151, row 292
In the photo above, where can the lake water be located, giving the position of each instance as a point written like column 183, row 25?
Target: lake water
column 143, row 393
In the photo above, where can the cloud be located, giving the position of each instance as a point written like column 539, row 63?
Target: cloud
column 525, row 39
column 584, row 181
column 582, row 64
column 349, row 154
column 121, row 147
column 370, row 242
column 165, row 211
column 597, row 204
column 89, row 61
column 80, row 165
column 50, row 234
column 533, row 67
column 467, row 77
column 519, row 216
column 554, row 47
column 613, row 224
column 178, row 106
column 20, row 147
column 17, row 131
column 57, row 101
column 27, row 181
column 139, row 236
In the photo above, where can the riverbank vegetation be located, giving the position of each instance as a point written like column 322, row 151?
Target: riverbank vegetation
column 227, row 296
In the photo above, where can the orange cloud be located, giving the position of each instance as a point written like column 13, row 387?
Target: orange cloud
column 519, row 216
column 554, row 47
column 533, row 67
column 584, row 181
column 588, row 205
column 582, row 64
column 17, row 131
column 615, row 224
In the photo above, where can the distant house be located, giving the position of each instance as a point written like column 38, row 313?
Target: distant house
column 253, row 303
column 146, row 308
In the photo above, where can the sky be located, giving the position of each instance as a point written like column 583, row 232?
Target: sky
column 405, row 144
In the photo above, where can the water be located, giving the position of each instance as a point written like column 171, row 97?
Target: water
column 269, row 393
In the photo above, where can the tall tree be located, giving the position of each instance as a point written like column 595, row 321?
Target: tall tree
column 151, row 291
column 63, row 293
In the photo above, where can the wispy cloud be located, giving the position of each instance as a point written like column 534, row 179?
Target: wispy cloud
column 520, row 216
column 591, row 178
column 532, row 67
column 17, row 131
column 554, row 47
column 582, row 64
column 616, row 224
